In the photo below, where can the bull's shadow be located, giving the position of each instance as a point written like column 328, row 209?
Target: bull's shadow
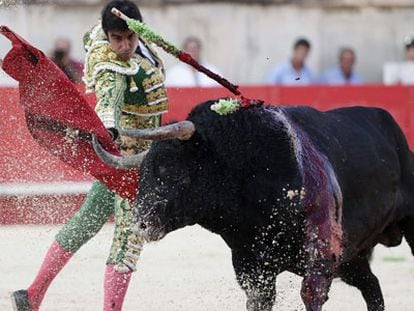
column 287, row 188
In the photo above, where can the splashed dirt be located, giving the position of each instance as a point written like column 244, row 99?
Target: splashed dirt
column 188, row 270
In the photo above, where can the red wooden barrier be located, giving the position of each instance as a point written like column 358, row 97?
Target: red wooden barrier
column 22, row 161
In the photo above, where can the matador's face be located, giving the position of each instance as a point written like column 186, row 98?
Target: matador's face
column 124, row 43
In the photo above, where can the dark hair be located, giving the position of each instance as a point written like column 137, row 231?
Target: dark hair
column 344, row 50
column 302, row 42
column 409, row 42
column 112, row 22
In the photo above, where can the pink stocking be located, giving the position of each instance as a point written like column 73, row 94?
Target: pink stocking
column 115, row 287
column 55, row 259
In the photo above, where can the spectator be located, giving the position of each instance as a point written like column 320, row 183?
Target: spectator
column 409, row 48
column 343, row 73
column 61, row 57
column 182, row 74
column 294, row 71
column 401, row 72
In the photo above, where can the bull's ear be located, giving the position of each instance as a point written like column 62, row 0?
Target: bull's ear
column 121, row 163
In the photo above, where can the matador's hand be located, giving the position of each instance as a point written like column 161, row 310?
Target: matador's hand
column 113, row 132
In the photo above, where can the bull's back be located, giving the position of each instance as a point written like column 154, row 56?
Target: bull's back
column 349, row 133
column 371, row 159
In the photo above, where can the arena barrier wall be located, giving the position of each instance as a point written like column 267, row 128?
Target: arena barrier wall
column 36, row 188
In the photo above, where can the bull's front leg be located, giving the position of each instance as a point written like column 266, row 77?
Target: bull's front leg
column 322, row 248
column 316, row 284
column 257, row 279
column 322, row 206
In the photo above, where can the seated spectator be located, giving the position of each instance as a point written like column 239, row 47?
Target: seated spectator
column 401, row 72
column 183, row 75
column 293, row 71
column 61, row 57
column 409, row 48
column 343, row 73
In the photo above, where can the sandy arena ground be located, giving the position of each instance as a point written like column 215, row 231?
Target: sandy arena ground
column 189, row 270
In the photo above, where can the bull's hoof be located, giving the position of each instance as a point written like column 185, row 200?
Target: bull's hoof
column 20, row 300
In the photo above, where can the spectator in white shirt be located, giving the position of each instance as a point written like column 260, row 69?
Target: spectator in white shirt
column 183, row 75
column 401, row 72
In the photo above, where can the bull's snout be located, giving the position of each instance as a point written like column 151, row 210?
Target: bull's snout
column 149, row 228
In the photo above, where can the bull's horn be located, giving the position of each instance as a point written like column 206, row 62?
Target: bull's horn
column 122, row 163
column 182, row 130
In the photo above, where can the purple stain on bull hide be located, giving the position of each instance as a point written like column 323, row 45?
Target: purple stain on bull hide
column 321, row 200
column 321, row 194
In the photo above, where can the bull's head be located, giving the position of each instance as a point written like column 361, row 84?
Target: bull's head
column 161, row 204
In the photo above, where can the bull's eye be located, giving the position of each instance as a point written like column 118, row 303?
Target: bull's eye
column 186, row 180
column 162, row 171
column 170, row 176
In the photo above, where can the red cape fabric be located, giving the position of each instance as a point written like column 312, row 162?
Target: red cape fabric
column 54, row 109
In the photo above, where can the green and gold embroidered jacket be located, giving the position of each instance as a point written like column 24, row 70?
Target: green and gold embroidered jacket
column 130, row 94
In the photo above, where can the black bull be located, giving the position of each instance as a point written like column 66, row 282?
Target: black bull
column 288, row 189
